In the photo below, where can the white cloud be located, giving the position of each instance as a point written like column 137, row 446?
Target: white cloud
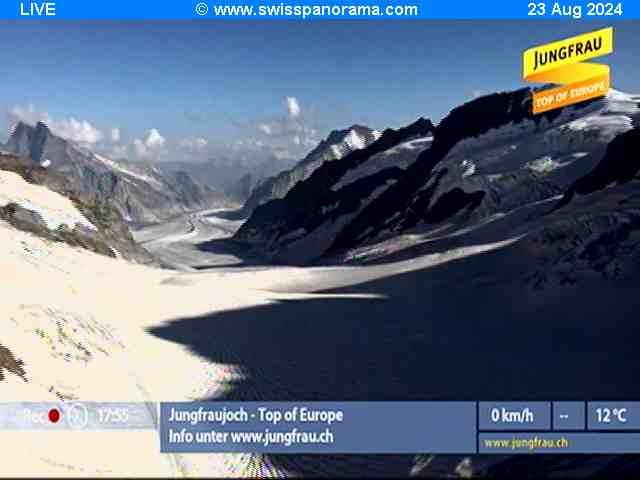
column 119, row 151
column 154, row 140
column 265, row 128
column 79, row 131
column 292, row 129
column 196, row 144
column 150, row 146
column 293, row 107
column 115, row 135
column 289, row 134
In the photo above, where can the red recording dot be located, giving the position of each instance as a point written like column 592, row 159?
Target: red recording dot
column 54, row 415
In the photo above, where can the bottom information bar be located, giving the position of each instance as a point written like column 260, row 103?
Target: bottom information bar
column 430, row 427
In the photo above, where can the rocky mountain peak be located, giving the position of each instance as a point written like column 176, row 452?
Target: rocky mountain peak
column 29, row 140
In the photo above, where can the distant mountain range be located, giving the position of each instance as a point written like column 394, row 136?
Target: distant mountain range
column 487, row 162
column 139, row 191
column 254, row 177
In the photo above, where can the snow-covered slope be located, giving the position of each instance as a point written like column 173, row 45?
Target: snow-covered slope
column 74, row 328
column 54, row 209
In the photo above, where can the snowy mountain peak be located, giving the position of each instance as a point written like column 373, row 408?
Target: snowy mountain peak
column 340, row 142
column 354, row 141
column 336, row 146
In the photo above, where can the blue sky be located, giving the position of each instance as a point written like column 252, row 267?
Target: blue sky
column 200, row 85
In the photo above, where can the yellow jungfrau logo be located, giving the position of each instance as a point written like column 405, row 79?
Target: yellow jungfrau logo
column 561, row 62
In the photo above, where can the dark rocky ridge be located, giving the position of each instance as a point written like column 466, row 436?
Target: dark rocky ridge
column 406, row 203
column 620, row 165
column 11, row 364
column 408, row 197
column 308, row 203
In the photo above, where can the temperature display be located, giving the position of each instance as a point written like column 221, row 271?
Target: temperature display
column 606, row 415
column 614, row 416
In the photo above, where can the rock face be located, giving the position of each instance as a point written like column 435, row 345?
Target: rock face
column 87, row 221
column 620, row 164
column 140, row 192
column 489, row 158
column 415, row 198
column 9, row 363
column 338, row 144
